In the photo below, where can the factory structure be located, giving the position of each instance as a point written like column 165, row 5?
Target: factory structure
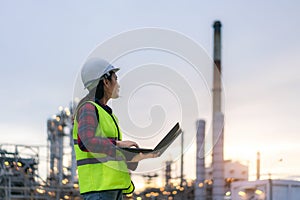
column 223, row 179
column 19, row 177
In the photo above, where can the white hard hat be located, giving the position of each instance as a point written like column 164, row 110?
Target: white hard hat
column 93, row 70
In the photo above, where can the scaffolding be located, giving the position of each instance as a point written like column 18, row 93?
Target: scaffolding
column 62, row 162
column 19, row 164
column 19, row 172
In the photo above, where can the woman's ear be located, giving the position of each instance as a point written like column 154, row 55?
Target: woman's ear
column 105, row 82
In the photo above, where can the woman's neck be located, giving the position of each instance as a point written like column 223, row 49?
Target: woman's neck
column 103, row 100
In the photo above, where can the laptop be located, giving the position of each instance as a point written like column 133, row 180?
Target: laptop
column 160, row 147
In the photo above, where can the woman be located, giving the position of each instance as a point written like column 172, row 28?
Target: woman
column 102, row 168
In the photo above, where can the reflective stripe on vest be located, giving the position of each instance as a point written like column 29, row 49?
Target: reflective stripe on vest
column 97, row 171
column 98, row 160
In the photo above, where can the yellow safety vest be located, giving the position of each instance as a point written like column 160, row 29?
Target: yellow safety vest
column 98, row 171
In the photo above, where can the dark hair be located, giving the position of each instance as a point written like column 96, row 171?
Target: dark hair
column 99, row 89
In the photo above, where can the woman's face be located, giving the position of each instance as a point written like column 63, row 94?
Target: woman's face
column 112, row 87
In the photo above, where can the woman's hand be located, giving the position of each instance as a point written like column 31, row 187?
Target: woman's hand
column 142, row 156
column 126, row 144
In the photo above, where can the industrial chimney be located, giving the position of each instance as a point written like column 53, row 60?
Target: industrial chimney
column 258, row 166
column 218, row 190
column 200, row 162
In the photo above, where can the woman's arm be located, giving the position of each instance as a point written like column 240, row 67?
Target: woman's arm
column 87, row 125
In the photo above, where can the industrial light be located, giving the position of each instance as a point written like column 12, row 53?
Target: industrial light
column 65, row 169
column 201, row 185
column 258, row 192
column 67, row 111
column 229, row 180
column 174, row 192
column 60, row 128
column 40, row 190
column 19, row 164
column 65, row 181
column 66, row 197
column 228, row 193
column 242, row 193
column 57, row 118
column 138, row 198
column 155, row 194
column 60, row 108
column 52, row 194
column 6, row 163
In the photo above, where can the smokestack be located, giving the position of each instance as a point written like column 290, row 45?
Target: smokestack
column 200, row 162
column 168, row 174
column 218, row 190
column 217, row 68
column 258, row 166
column 181, row 160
